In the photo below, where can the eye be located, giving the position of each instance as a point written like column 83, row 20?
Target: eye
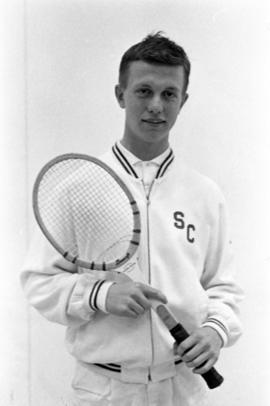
column 170, row 95
column 143, row 92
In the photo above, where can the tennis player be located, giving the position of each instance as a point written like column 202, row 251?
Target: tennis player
column 124, row 354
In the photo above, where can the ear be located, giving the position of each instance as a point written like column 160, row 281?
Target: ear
column 119, row 94
column 183, row 101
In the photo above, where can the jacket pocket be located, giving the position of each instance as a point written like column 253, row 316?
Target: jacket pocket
column 90, row 386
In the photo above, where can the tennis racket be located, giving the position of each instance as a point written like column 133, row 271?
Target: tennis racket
column 91, row 218
column 178, row 332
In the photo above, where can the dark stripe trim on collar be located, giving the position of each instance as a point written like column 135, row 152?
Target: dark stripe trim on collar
column 123, row 161
column 165, row 164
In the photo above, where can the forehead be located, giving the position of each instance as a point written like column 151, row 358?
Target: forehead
column 155, row 75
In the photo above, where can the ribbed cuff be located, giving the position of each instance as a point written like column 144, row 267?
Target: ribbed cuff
column 94, row 294
column 219, row 327
column 102, row 296
column 98, row 295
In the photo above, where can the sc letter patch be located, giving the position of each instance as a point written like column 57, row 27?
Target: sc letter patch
column 189, row 229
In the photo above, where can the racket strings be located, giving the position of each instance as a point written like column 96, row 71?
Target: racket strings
column 86, row 212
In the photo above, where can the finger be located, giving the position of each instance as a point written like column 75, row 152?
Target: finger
column 140, row 295
column 186, row 345
column 139, row 298
column 191, row 354
column 198, row 361
column 137, row 308
column 152, row 293
column 196, row 350
column 127, row 312
column 144, row 302
column 131, row 313
column 202, row 369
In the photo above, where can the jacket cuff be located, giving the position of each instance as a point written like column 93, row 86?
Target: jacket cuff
column 219, row 327
column 98, row 295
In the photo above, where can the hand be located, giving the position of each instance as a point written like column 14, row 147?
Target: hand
column 131, row 299
column 201, row 349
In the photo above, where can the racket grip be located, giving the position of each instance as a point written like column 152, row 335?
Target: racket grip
column 211, row 377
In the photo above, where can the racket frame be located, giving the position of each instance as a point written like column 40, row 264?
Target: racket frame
column 135, row 240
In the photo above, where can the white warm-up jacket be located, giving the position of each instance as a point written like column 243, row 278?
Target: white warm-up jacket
column 185, row 251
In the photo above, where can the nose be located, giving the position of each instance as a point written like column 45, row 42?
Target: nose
column 155, row 105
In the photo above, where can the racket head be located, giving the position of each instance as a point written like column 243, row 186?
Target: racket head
column 79, row 201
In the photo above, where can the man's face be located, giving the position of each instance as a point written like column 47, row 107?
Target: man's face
column 152, row 100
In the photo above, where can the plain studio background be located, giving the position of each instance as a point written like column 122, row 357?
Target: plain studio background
column 59, row 64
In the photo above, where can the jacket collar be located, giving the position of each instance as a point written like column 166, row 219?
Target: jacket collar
column 127, row 160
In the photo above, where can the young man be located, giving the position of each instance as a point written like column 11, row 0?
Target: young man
column 125, row 356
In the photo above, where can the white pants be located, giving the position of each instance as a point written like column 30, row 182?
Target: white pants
column 94, row 389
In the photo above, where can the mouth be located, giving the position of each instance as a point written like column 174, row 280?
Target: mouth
column 153, row 121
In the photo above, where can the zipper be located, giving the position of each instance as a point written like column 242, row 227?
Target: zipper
column 147, row 195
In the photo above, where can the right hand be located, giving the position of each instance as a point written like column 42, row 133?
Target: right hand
column 131, row 299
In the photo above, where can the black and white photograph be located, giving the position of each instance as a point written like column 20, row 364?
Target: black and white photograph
column 134, row 166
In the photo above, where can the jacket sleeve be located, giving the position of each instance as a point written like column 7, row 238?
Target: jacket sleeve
column 55, row 287
column 218, row 278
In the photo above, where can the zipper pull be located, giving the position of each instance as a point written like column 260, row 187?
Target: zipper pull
column 149, row 191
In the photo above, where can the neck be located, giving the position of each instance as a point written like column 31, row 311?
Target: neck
column 144, row 150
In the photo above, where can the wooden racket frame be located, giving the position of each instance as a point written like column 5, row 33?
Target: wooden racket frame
column 136, row 232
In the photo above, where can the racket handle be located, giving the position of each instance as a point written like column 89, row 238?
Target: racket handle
column 211, row 377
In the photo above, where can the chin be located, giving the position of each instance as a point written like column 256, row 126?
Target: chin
column 154, row 139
